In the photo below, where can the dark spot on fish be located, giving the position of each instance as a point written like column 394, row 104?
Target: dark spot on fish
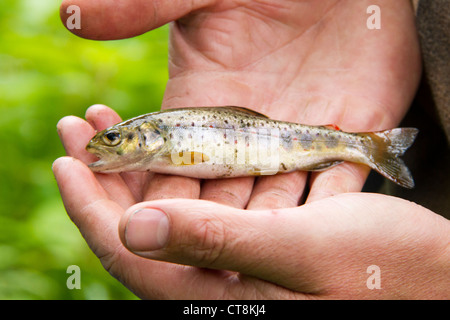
column 157, row 131
column 119, row 152
column 140, row 145
column 226, row 121
column 284, row 166
column 331, row 141
column 286, row 141
column 177, row 125
column 160, row 120
column 171, row 135
column 130, row 136
column 193, row 124
column 306, row 140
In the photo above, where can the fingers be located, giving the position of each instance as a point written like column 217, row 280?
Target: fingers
column 346, row 177
column 108, row 19
column 302, row 249
column 88, row 204
column 280, row 191
column 75, row 133
column 161, row 186
column 97, row 218
column 233, row 192
column 209, row 235
column 102, row 117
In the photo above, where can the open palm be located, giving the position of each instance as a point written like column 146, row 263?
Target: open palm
column 313, row 62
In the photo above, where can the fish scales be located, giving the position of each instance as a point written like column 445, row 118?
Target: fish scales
column 221, row 142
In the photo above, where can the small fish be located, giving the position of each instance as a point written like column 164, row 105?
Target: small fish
column 221, row 142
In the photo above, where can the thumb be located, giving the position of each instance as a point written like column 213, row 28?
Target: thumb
column 209, row 235
column 109, row 19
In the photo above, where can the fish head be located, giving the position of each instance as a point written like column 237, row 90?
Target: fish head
column 124, row 148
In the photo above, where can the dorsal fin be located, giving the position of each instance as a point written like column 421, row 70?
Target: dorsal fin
column 248, row 111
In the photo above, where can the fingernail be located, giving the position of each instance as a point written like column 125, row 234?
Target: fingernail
column 147, row 230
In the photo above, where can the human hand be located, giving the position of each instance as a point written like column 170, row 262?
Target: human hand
column 319, row 250
column 313, row 62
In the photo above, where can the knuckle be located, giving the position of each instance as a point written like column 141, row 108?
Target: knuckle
column 208, row 240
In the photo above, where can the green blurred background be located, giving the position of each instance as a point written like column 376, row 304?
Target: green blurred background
column 47, row 73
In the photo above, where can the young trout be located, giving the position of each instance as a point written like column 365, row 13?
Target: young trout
column 220, row 142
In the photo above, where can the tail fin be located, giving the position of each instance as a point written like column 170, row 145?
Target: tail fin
column 391, row 144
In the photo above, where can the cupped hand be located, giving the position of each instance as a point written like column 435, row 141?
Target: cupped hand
column 312, row 62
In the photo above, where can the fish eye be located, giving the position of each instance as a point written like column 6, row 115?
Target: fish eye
column 112, row 137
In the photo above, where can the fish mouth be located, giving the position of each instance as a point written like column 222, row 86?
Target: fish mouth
column 95, row 151
column 100, row 165
column 105, row 166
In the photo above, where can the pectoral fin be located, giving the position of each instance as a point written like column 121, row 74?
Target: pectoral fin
column 324, row 165
column 262, row 172
column 187, row 158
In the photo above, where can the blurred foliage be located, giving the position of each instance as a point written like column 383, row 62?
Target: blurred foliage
column 47, row 73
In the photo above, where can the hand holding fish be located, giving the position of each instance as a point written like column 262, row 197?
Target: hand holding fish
column 319, row 250
column 309, row 62
column 313, row 63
